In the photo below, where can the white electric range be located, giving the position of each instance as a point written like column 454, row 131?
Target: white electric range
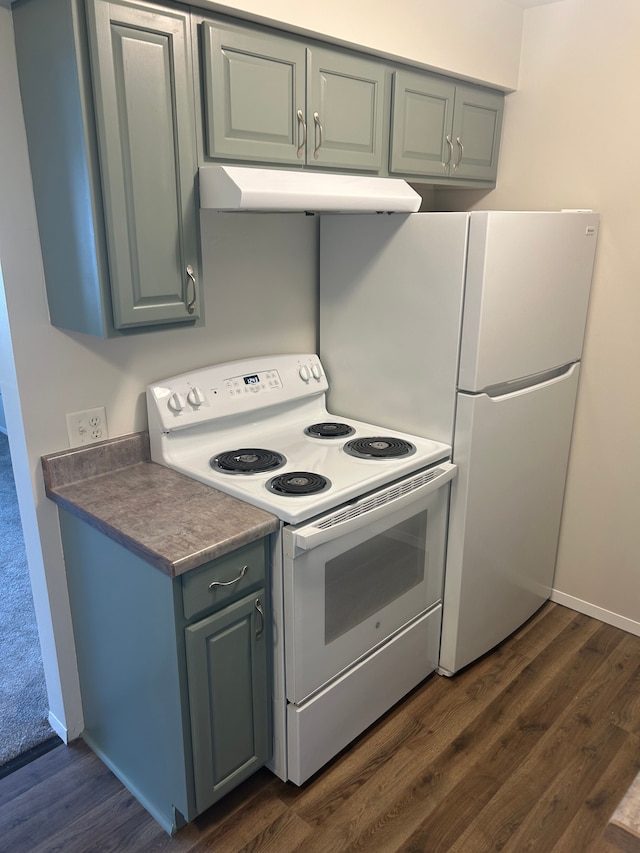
column 357, row 566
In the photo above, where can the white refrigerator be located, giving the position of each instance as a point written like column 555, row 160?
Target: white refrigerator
column 468, row 328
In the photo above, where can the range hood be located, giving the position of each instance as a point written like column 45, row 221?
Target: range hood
column 244, row 188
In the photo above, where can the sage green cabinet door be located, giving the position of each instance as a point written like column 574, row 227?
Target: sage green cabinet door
column 441, row 129
column 421, row 124
column 477, row 121
column 229, row 695
column 254, row 89
column 143, row 89
column 345, row 111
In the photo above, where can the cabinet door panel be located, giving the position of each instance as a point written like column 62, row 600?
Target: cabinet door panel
column 228, row 689
column 477, row 123
column 144, row 107
column 347, row 95
column 253, row 90
column 421, row 121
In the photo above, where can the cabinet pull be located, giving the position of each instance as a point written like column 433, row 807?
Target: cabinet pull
column 446, row 164
column 302, row 123
column 190, row 273
column 461, row 149
column 316, row 121
column 243, row 572
column 258, row 606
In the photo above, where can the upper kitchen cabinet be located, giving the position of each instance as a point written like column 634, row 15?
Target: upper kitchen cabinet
column 442, row 129
column 274, row 99
column 345, row 110
column 107, row 91
column 254, row 85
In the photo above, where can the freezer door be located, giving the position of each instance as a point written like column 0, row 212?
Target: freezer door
column 506, row 504
column 526, row 294
column 390, row 307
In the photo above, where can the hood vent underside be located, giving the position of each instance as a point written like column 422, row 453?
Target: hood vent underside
column 245, row 188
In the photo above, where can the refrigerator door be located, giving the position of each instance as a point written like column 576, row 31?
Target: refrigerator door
column 527, row 292
column 506, row 505
column 390, row 305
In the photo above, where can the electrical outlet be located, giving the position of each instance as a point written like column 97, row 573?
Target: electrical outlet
column 87, row 427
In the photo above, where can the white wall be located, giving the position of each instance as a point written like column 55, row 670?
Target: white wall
column 570, row 138
column 475, row 39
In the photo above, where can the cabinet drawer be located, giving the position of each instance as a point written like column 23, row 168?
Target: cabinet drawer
column 230, row 573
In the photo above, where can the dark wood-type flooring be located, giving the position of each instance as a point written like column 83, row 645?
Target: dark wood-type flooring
column 529, row 749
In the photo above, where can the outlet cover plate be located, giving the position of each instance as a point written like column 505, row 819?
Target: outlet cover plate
column 87, row 426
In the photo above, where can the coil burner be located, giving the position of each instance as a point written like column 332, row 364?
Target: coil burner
column 329, row 429
column 379, row 447
column 247, row 460
column 298, row 483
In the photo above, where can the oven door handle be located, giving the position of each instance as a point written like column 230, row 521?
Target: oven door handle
column 367, row 510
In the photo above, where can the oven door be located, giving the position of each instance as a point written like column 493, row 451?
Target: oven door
column 356, row 576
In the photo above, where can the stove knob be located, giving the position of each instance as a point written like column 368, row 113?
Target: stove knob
column 195, row 397
column 176, row 402
column 317, row 373
column 305, row 375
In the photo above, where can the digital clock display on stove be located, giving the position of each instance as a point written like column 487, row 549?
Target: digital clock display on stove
column 252, row 380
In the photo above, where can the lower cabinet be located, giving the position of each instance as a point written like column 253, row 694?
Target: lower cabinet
column 174, row 672
column 228, row 695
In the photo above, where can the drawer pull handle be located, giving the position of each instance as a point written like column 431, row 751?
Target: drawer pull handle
column 258, row 606
column 243, row 572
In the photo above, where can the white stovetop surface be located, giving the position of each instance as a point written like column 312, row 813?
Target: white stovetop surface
column 266, row 403
column 190, row 453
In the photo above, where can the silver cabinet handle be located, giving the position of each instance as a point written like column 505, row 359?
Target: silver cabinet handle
column 461, row 149
column 316, row 121
column 243, row 572
column 191, row 304
column 445, row 165
column 258, row 606
column 302, row 123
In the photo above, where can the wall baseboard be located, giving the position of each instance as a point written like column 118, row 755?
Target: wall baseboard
column 600, row 613
column 58, row 728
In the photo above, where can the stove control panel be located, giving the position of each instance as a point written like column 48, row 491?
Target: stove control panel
column 253, row 383
column 233, row 388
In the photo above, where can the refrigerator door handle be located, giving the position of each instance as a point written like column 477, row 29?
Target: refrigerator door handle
column 538, row 380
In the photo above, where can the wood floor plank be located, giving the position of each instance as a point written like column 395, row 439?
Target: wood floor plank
column 539, row 631
column 627, row 712
column 585, row 832
column 542, row 774
column 528, row 715
column 57, row 760
column 40, row 812
column 115, row 822
column 239, row 829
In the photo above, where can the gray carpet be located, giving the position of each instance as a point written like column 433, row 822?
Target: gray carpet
column 23, row 697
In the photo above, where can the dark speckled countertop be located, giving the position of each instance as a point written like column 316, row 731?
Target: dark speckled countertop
column 170, row 520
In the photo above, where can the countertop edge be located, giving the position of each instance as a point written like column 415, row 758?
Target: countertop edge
column 173, row 568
